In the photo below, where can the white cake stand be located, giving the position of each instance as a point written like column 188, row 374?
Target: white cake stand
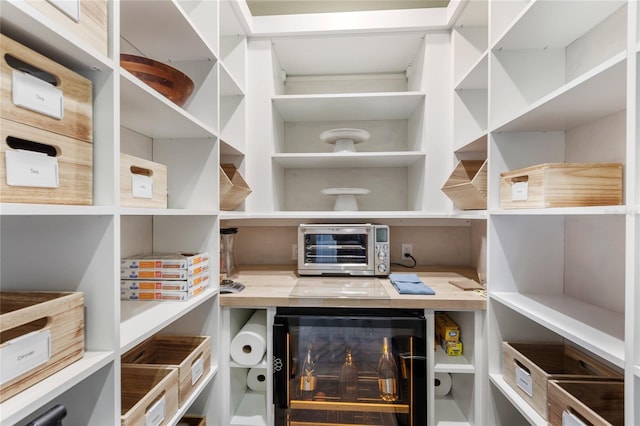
column 345, row 197
column 344, row 139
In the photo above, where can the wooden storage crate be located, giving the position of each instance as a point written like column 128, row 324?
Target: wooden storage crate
column 143, row 183
column 188, row 420
column 599, row 402
column 467, row 185
column 91, row 25
column 148, row 392
column 527, row 368
column 233, row 188
column 40, row 334
column 73, row 171
column 562, row 185
column 191, row 355
column 69, row 94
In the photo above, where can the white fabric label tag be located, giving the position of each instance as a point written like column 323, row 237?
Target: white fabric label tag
column 23, row 354
column 520, row 191
column 28, row 168
column 524, row 381
column 141, row 186
column 197, row 369
column 156, row 413
column 569, row 419
column 37, row 95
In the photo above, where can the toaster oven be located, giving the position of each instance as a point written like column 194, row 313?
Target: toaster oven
column 343, row 249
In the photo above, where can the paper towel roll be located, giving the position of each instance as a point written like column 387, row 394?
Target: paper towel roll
column 257, row 379
column 442, row 384
column 249, row 345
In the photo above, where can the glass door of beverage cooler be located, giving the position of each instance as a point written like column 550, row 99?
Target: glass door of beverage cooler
column 336, row 366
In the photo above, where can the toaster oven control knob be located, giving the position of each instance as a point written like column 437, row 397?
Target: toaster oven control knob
column 382, row 255
column 382, row 268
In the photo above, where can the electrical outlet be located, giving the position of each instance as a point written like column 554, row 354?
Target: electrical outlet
column 407, row 250
column 294, row 252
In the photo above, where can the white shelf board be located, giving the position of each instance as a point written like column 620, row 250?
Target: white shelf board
column 252, row 410
column 146, row 111
column 340, row 107
column 26, row 402
column 594, row 95
column 186, row 405
column 50, row 37
column 141, row 319
column 564, row 21
column 520, row 404
column 448, row 413
column 478, row 75
column 476, row 143
column 598, row 330
column 352, row 160
column 169, row 36
column 8, row 209
column 451, row 364
column 395, row 218
column 134, row 211
column 562, row 211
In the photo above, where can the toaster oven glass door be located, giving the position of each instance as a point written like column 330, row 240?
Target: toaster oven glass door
column 342, row 249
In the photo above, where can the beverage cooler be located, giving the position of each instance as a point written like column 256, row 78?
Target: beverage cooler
column 338, row 366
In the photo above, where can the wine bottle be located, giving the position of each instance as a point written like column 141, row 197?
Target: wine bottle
column 387, row 374
column 348, row 382
column 308, row 375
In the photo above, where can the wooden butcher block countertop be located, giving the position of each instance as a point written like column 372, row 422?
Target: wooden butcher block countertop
column 276, row 286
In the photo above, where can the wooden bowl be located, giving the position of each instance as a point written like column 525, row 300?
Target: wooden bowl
column 170, row 82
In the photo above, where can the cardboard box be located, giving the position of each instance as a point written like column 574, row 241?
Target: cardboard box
column 64, row 166
column 446, row 328
column 49, row 326
column 200, row 280
column 162, row 274
column 58, row 100
column 598, row 402
column 87, row 20
column 467, row 185
column 452, row 348
column 190, row 355
column 528, row 367
column 562, row 185
column 148, row 391
column 166, row 295
column 165, row 260
column 143, row 183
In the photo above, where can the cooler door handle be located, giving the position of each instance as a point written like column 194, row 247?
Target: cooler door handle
column 280, row 366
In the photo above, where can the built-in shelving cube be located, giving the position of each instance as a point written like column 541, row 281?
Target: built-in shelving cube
column 532, row 62
column 246, row 407
column 469, row 42
column 458, row 404
column 233, row 70
column 65, row 252
column 183, row 48
column 551, row 268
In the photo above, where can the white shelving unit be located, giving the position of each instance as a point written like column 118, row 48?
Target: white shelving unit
column 345, row 83
column 78, row 248
column 561, row 88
